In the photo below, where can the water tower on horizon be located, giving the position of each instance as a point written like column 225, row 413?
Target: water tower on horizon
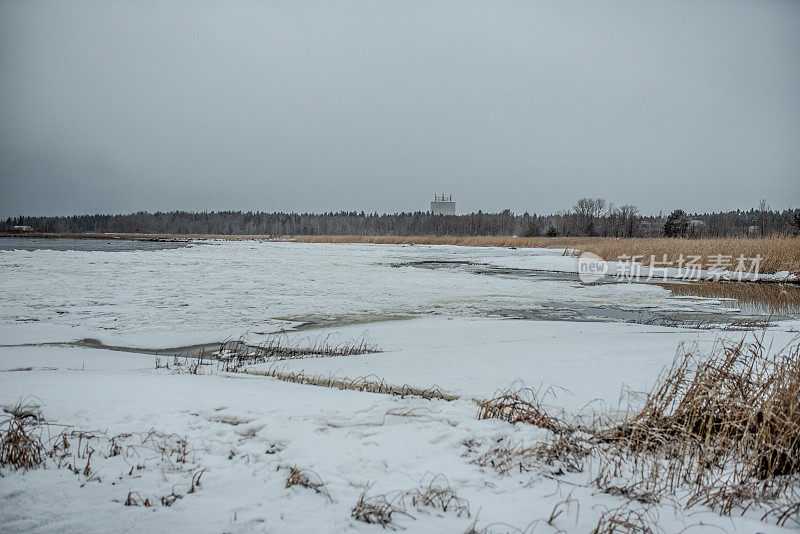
column 443, row 205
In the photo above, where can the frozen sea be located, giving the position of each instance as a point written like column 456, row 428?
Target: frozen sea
column 159, row 294
column 468, row 321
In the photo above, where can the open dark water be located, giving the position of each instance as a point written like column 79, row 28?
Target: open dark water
column 86, row 245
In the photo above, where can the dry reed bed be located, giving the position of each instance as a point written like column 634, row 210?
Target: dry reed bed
column 307, row 479
column 29, row 442
column 234, row 355
column 370, row 384
column 775, row 298
column 21, row 445
column 778, row 253
column 520, row 405
column 237, row 356
column 722, row 429
column 727, row 426
column 563, row 453
column 434, row 492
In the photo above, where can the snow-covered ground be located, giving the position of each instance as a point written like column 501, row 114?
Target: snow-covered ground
column 436, row 324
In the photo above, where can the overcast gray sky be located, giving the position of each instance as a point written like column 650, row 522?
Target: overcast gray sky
column 118, row 106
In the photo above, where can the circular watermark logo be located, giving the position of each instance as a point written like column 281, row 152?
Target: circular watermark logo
column 591, row 267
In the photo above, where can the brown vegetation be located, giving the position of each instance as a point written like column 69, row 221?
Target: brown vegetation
column 28, row 442
column 21, row 444
column 627, row 519
column 377, row 509
column 564, row 453
column 306, row 479
column 233, row 355
column 727, row 426
column 438, row 494
column 773, row 298
column 371, row 384
column 777, row 253
column 723, row 429
column 519, row 405
column 433, row 492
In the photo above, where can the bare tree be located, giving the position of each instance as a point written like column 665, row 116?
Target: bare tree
column 763, row 208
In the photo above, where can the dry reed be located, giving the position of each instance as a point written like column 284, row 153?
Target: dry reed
column 370, row 384
column 627, row 519
column 232, row 356
column 307, row 479
column 779, row 253
column 434, row 491
column 378, row 509
column 562, row 452
column 720, row 429
column 519, row 404
column 773, row 298
column 438, row 494
column 724, row 426
column 21, row 445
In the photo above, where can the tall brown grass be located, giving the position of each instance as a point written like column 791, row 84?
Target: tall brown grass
column 21, row 445
column 775, row 298
column 725, row 426
column 778, row 253
column 719, row 429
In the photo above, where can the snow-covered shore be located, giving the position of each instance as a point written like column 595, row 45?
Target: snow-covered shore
column 244, row 432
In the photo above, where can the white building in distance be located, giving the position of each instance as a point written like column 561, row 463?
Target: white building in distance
column 443, row 205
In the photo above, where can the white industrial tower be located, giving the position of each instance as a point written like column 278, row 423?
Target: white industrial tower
column 443, row 205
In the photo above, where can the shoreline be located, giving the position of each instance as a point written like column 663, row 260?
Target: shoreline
column 777, row 254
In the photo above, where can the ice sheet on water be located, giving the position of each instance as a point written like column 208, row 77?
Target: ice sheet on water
column 217, row 290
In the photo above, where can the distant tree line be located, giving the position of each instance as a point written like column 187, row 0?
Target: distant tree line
column 588, row 217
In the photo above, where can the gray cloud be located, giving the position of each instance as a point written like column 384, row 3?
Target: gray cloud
column 312, row 106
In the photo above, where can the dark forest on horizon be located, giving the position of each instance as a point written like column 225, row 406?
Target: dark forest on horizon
column 588, row 217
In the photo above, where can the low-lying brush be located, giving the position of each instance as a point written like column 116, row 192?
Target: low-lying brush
column 726, row 426
column 27, row 441
column 741, row 403
column 378, row 509
column 438, row 494
column 778, row 253
column 306, row 479
column 721, row 429
column 562, row 453
column 371, row 384
column 751, row 296
column 21, row 445
column 629, row 518
column 433, row 492
column 519, row 405
column 234, row 355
